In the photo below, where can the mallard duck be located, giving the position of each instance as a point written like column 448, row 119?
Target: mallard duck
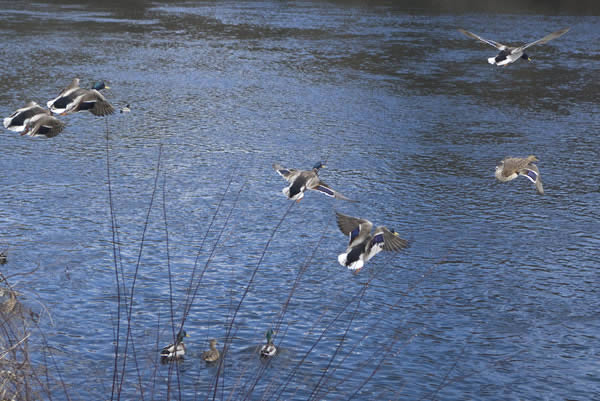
column 268, row 349
column 509, row 54
column 174, row 351
column 363, row 245
column 73, row 99
column 125, row 109
column 213, row 353
column 3, row 256
column 18, row 120
column 301, row 180
column 512, row 167
column 59, row 104
column 43, row 125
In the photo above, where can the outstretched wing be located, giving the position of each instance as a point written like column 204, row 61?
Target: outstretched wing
column 353, row 226
column 50, row 126
column 512, row 165
column 288, row 173
column 93, row 101
column 327, row 190
column 545, row 39
column 497, row 45
column 73, row 85
column 389, row 241
column 532, row 173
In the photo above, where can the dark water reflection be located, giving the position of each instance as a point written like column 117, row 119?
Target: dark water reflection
column 495, row 299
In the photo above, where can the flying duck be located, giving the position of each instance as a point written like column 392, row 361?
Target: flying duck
column 509, row 54
column 73, row 99
column 43, row 125
column 18, row 120
column 363, row 245
column 301, row 180
column 512, row 167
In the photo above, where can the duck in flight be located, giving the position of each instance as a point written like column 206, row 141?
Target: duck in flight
column 18, row 120
column 73, row 99
column 301, row 180
column 512, row 167
column 509, row 54
column 363, row 245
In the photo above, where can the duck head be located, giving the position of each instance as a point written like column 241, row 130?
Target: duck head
column 99, row 85
column 319, row 166
column 269, row 336
column 181, row 335
column 526, row 57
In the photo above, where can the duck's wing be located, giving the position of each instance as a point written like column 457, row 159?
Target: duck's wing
column 17, row 120
column 353, row 226
column 389, row 241
column 47, row 126
column 532, row 173
column 497, row 45
column 168, row 350
column 512, row 165
column 72, row 86
column 288, row 173
column 94, row 102
column 320, row 186
column 545, row 39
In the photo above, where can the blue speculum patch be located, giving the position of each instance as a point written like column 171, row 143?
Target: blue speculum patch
column 354, row 233
column 325, row 190
column 378, row 239
column 532, row 174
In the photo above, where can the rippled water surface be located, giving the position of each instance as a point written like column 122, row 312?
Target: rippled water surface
column 497, row 296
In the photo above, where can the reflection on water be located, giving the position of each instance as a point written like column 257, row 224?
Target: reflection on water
column 492, row 296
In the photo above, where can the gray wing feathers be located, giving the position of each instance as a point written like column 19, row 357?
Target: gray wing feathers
column 495, row 44
column 512, row 165
column 392, row 242
column 320, row 186
column 538, row 180
column 545, row 39
column 347, row 224
column 287, row 173
column 73, row 85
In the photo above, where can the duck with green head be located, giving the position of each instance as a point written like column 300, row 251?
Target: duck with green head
column 73, row 99
column 268, row 350
column 176, row 350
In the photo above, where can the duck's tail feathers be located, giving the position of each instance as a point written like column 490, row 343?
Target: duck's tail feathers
column 7, row 122
column 539, row 187
column 356, row 265
column 492, row 60
column 342, row 258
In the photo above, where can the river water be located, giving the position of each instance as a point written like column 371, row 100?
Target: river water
column 497, row 296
